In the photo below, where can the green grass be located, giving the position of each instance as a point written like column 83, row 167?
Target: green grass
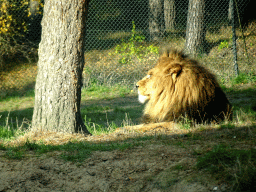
column 237, row 167
column 97, row 115
column 102, row 119
column 72, row 151
column 6, row 133
column 101, row 91
column 16, row 119
column 244, row 78
column 98, row 129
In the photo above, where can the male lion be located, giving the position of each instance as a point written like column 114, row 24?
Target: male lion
column 179, row 87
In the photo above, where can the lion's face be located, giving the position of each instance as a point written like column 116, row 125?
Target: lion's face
column 156, row 80
column 145, row 88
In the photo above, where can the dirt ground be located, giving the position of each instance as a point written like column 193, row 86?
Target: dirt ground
column 151, row 167
column 154, row 168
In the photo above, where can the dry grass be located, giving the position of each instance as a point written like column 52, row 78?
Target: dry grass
column 106, row 68
column 18, row 79
column 164, row 129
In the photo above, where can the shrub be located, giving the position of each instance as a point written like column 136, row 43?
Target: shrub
column 14, row 20
column 134, row 47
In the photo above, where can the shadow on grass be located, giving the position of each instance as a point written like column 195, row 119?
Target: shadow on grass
column 25, row 91
column 127, row 110
column 117, row 111
column 102, row 113
column 242, row 98
column 16, row 118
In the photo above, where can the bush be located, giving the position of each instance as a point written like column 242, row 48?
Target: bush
column 134, row 47
column 14, row 20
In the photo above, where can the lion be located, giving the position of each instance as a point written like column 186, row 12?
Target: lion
column 179, row 87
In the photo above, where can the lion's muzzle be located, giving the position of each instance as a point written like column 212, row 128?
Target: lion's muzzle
column 142, row 98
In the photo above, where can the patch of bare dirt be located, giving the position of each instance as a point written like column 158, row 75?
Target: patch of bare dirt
column 154, row 168
column 151, row 167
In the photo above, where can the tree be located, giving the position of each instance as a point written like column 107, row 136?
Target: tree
column 169, row 14
column 35, row 17
column 156, row 19
column 195, row 32
column 60, row 66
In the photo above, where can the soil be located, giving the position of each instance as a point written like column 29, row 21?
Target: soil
column 151, row 167
column 154, row 168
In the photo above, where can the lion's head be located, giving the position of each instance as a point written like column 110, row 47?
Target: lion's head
column 179, row 87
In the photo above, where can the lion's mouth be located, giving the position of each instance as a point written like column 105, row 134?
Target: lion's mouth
column 142, row 98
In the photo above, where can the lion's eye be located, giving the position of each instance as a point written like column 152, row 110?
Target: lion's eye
column 148, row 76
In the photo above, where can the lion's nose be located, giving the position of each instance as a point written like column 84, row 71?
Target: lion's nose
column 137, row 86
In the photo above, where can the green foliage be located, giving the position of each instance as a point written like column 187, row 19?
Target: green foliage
column 10, row 13
column 13, row 28
column 186, row 123
column 244, row 78
column 178, row 167
column 236, row 166
column 72, row 151
column 80, row 151
column 223, row 44
column 10, row 23
column 97, row 129
column 13, row 154
column 6, row 133
column 134, row 47
column 227, row 126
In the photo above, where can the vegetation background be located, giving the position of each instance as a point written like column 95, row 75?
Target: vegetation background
column 118, row 53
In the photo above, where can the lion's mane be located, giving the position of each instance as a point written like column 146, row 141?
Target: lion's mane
column 179, row 87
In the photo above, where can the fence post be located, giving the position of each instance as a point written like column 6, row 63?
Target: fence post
column 231, row 7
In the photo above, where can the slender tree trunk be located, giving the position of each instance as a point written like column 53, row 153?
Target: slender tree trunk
column 232, row 21
column 34, row 28
column 169, row 14
column 60, row 66
column 195, row 32
column 156, row 19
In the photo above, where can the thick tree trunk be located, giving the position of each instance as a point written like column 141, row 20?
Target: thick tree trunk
column 60, row 66
column 195, row 32
column 169, row 14
column 156, row 19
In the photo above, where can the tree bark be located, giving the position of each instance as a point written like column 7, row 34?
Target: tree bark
column 156, row 19
column 169, row 14
column 195, row 32
column 60, row 66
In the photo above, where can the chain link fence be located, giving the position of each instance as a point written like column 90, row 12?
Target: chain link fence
column 124, row 38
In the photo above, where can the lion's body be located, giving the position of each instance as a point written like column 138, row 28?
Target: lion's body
column 179, row 87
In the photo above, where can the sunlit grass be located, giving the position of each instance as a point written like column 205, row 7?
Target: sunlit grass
column 98, row 91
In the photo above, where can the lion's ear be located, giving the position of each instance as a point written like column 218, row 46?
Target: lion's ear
column 174, row 71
